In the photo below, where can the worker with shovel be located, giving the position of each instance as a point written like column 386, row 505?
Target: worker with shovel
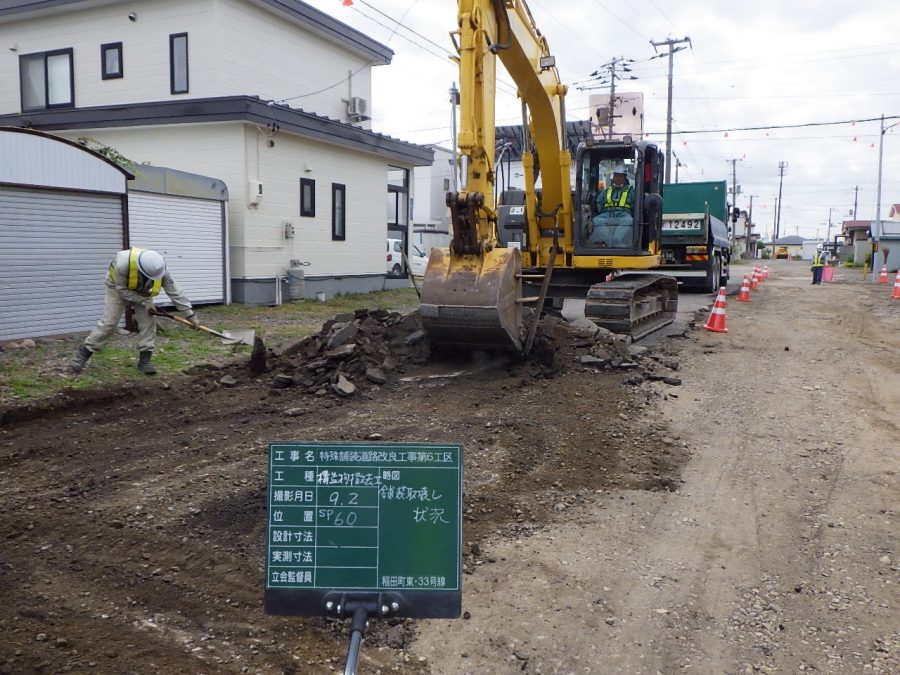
column 134, row 279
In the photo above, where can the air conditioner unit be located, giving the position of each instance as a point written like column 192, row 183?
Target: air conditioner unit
column 254, row 192
column 358, row 109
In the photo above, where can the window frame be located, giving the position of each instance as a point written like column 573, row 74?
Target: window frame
column 308, row 210
column 104, row 73
column 398, row 199
column 45, row 56
column 187, row 68
column 338, row 195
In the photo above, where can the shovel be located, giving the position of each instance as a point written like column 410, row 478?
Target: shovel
column 229, row 337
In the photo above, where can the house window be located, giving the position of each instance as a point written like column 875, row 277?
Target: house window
column 47, row 80
column 338, row 212
column 307, row 197
column 178, row 63
column 111, row 61
column 397, row 196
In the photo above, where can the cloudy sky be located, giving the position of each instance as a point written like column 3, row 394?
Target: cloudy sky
column 805, row 75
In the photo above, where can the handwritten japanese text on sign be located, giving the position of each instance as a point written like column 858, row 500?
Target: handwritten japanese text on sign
column 364, row 516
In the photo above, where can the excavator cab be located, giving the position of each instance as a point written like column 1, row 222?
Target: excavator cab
column 611, row 221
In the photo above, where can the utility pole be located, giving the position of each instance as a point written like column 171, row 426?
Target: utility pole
column 454, row 101
column 734, row 194
column 775, row 227
column 876, row 230
column 678, row 163
column 613, row 76
column 749, row 229
column 782, row 167
column 855, row 201
column 828, row 231
column 670, row 43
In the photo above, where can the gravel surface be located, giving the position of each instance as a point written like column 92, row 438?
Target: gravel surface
column 716, row 503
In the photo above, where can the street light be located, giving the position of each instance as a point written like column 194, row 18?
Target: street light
column 876, row 230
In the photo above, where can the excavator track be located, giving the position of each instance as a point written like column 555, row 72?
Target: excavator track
column 634, row 305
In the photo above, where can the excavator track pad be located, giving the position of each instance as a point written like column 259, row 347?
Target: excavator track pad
column 474, row 301
column 634, row 304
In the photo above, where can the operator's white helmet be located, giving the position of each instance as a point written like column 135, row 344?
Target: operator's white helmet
column 151, row 264
column 620, row 168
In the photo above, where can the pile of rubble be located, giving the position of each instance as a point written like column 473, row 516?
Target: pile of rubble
column 355, row 350
column 372, row 347
column 602, row 350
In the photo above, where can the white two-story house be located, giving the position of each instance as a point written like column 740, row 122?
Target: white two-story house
column 273, row 97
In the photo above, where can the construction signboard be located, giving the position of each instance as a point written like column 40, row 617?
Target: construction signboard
column 355, row 518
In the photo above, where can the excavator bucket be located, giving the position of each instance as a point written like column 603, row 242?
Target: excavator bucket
column 473, row 301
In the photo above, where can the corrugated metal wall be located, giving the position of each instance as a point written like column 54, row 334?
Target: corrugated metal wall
column 190, row 234
column 55, row 248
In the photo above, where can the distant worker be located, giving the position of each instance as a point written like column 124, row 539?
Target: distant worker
column 134, row 279
column 612, row 226
column 818, row 264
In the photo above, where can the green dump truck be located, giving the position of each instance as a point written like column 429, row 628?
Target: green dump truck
column 696, row 248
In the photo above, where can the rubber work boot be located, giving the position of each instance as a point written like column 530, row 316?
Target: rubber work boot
column 144, row 364
column 76, row 365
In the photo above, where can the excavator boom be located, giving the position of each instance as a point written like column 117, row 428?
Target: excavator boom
column 472, row 293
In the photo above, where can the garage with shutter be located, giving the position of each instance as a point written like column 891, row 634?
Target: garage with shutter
column 183, row 216
column 63, row 215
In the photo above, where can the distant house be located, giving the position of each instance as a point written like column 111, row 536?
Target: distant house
column 856, row 235
column 510, row 143
column 889, row 245
column 809, row 248
column 431, row 215
column 793, row 244
column 894, row 213
column 273, row 97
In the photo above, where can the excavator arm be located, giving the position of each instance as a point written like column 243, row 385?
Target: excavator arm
column 472, row 291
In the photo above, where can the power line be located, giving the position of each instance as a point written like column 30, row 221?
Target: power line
column 400, row 24
column 781, row 126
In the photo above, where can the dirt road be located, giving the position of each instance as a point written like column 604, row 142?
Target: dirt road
column 744, row 521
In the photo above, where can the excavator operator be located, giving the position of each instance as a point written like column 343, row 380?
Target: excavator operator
column 611, row 227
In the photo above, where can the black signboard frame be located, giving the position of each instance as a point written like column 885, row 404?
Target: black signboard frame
column 421, row 481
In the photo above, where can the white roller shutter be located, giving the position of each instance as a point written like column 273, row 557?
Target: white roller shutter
column 190, row 233
column 55, row 248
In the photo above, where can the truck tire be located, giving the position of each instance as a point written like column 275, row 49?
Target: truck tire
column 714, row 275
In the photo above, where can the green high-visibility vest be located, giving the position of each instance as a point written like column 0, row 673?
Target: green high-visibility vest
column 622, row 202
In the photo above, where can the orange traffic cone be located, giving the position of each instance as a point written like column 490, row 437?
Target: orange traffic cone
column 765, row 272
column 896, row 293
column 716, row 321
column 759, row 275
column 754, row 281
column 744, row 295
column 883, row 278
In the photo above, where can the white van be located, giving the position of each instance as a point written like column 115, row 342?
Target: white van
column 394, row 257
column 418, row 261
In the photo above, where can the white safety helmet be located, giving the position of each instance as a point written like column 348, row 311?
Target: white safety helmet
column 151, row 264
column 620, row 168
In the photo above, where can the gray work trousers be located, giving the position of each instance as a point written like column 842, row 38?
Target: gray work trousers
column 112, row 313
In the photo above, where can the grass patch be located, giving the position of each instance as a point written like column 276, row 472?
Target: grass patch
column 32, row 373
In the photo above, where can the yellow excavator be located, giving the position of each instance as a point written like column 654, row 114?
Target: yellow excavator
column 541, row 244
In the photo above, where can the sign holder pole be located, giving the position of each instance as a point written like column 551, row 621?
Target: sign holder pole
column 364, row 530
column 360, row 606
column 357, row 631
